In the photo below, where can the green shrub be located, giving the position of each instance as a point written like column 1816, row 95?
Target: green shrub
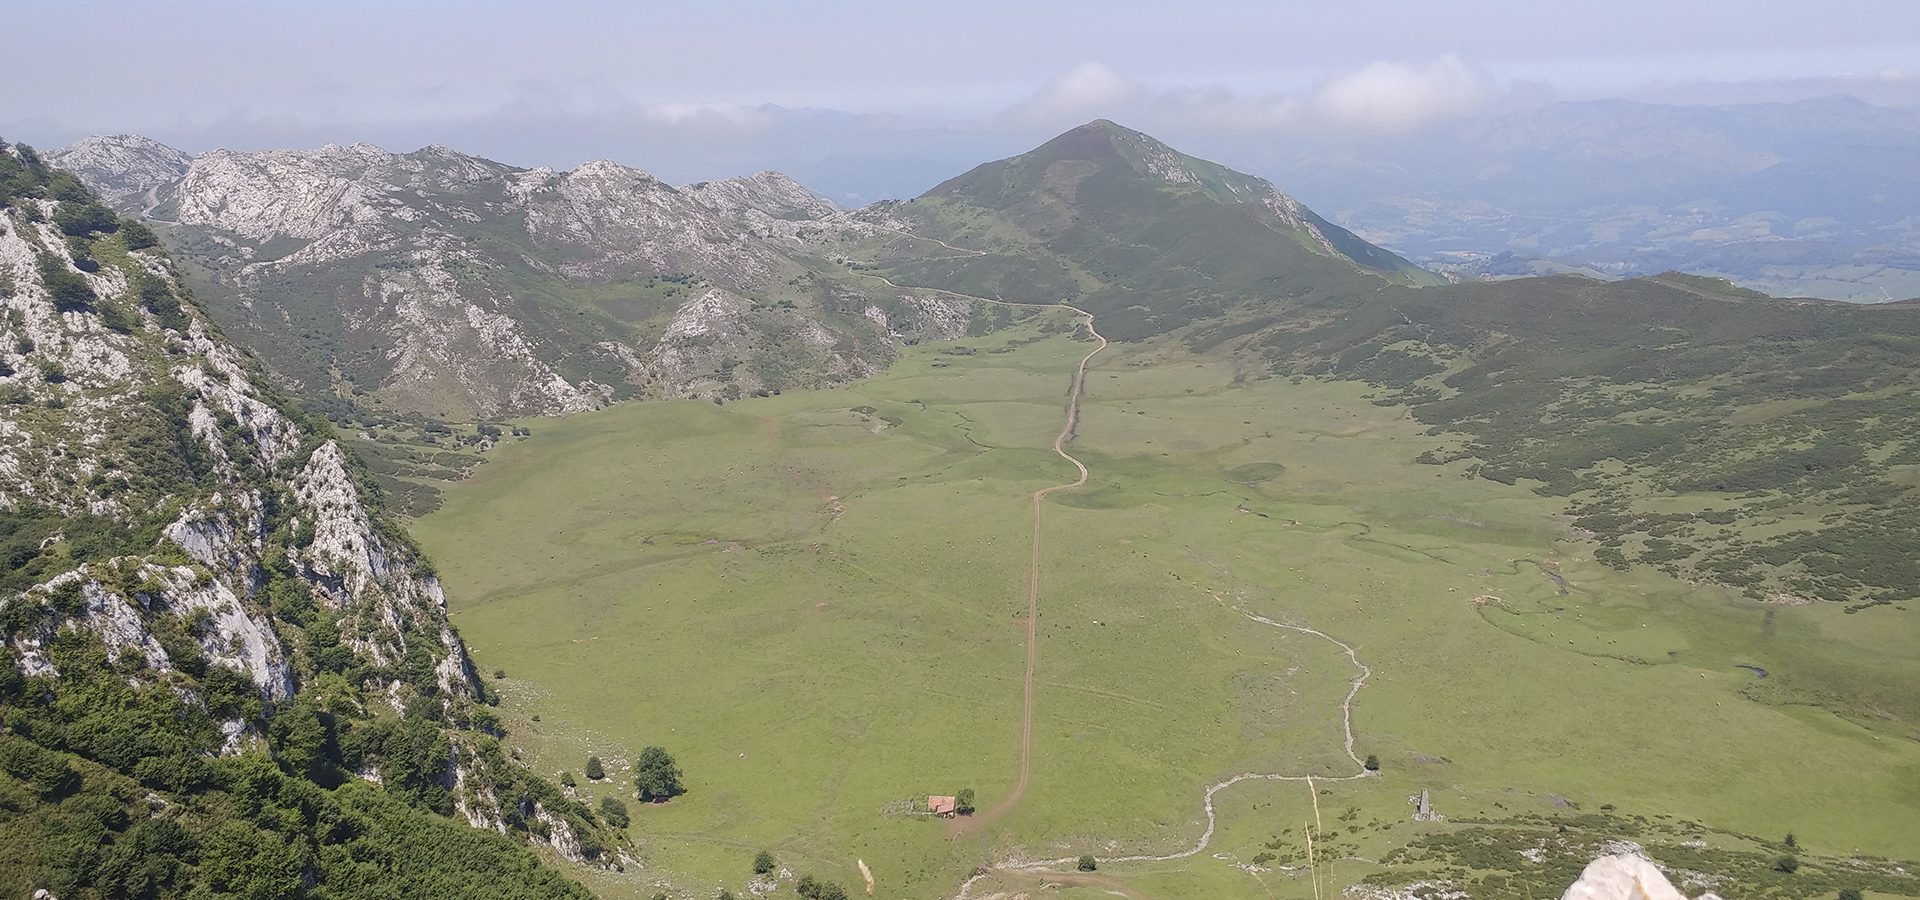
column 135, row 235
column 84, row 218
column 70, row 292
column 614, row 812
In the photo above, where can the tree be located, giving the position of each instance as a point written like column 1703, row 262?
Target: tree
column 595, row 771
column 1372, row 763
column 1086, row 864
column 1792, row 842
column 724, row 895
column 963, row 802
column 45, row 771
column 566, row 780
column 1849, row 894
column 81, row 219
column 655, row 775
column 807, row 887
column 1787, row 863
column 136, row 235
column 614, row 811
column 763, row 863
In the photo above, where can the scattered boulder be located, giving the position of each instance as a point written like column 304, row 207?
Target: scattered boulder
column 1625, row 876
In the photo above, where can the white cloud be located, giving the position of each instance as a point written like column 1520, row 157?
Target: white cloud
column 712, row 114
column 1381, row 98
column 1090, row 90
column 1392, row 97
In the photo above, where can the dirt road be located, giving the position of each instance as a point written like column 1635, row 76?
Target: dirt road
column 1012, row 799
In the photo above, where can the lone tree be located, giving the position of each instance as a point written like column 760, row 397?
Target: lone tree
column 595, row 771
column 1849, row 894
column 1793, row 843
column 763, row 863
column 566, row 779
column 963, row 801
column 1373, row 763
column 655, row 775
column 1788, row 864
column 1086, row 864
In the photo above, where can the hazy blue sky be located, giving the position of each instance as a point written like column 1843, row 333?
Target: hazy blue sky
column 558, row 82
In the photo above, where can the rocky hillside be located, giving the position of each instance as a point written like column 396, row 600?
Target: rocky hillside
column 205, row 606
column 123, row 169
column 443, row 285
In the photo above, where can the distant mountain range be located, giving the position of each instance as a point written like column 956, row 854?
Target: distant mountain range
column 1814, row 198
column 447, row 286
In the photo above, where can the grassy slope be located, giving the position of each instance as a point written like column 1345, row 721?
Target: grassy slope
column 674, row 574
column 1085, row 217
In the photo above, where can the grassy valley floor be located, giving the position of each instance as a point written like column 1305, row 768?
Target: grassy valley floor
column 815, row 602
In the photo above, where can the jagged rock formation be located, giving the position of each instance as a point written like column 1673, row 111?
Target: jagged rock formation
column 178, row 540
column 456, row 287
column 1625, row 876
column 124, row 169
column 768, row 205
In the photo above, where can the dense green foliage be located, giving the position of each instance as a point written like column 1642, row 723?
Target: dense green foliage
column 1769, row 415
column 614, row 812
column 656, row 776
column 815, row 889
column 250, row 831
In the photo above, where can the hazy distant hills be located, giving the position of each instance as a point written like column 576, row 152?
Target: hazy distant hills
column 1799, row 198
column 1814, row 198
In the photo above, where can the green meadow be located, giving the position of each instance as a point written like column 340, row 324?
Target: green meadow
column 815, row 602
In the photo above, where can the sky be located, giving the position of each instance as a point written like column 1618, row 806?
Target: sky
column 704, row 89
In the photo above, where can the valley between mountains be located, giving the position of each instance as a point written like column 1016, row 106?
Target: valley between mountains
column 1214, row 550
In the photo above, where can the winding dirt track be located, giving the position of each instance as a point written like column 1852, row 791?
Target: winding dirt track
column 1019, row 792
column 1013, row 798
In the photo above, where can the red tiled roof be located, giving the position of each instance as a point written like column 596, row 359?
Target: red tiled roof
column 940, row 806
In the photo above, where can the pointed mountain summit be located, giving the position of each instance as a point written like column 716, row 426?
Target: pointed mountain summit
column 1150, row 237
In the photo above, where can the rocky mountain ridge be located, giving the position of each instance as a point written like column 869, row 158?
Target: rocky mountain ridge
column 187, row 552
column 445, row 285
